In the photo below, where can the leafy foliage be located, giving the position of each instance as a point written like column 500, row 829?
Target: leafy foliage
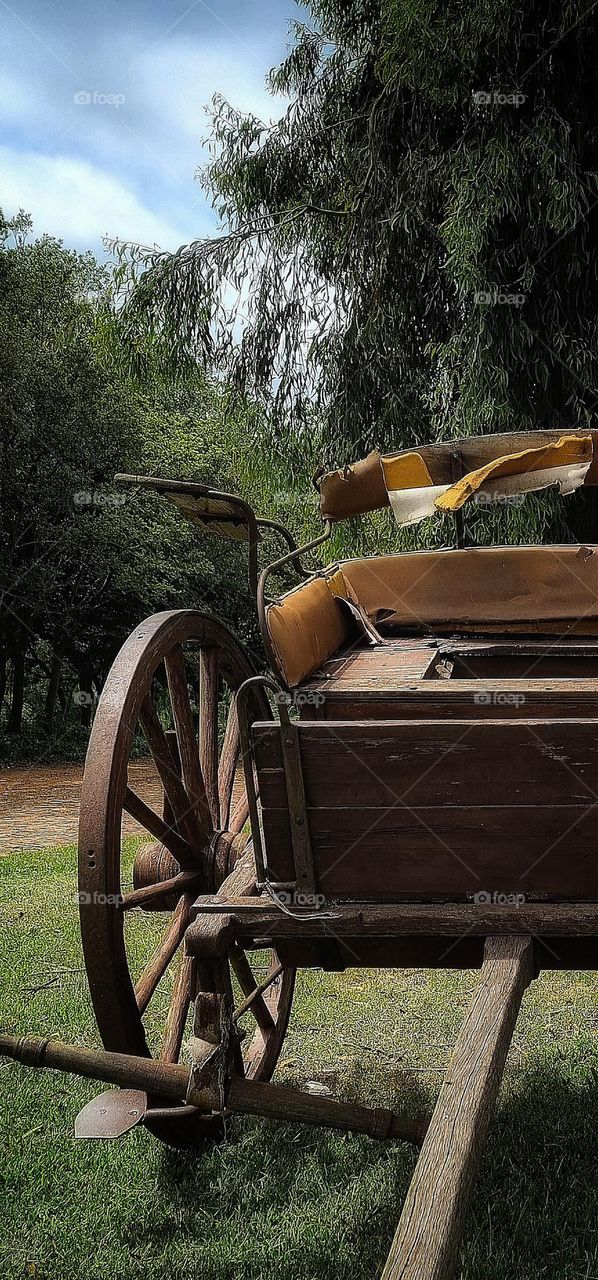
column 82, row 561
column 434, row 160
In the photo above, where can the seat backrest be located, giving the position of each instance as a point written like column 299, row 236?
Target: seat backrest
column 551, row 590
column 427, row 809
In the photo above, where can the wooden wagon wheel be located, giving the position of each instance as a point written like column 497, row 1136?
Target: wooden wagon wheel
column 135, row 910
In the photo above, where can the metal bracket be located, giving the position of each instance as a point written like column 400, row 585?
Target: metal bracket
column 291, row 756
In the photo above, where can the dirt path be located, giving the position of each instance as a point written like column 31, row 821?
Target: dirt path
column 39, row 805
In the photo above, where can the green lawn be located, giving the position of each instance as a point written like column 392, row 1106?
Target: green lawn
column 283, row 1201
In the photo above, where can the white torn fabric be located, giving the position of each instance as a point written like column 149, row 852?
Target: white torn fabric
column 567, row 478
column 412, row 505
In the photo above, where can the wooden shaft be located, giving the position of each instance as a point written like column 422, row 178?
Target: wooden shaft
column 163, row 1079
column 208, row 728
column 141, row 812
column 152, row 893
column 429, row 1231
column 276, row 1102
column 176, row 676
column 180, row 1003
column 257, row 991
column 228, row 763
column 239, row 817
column 167, row 1080
column 253, row 996
column 174, row 791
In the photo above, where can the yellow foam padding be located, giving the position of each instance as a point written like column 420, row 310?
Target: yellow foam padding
column 566, row 452
column 407, row 471
column 307, row 626
column 336, row 583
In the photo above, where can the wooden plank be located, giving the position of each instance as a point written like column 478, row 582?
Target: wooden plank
column 442, row 700
column 405, row 659
column 427, row 1240
column 368, row 672
column 387, row 853
column 259, row 917
column 462, row 763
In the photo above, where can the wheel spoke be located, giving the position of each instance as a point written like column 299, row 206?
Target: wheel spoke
column 152, row 893
column 157, row 827
column 228, row 763
column 208, row 727
column 182, row 996
column 244, row 975
column 239, row 816
column 259, row 990
column 187, row 743
column 157, row 966
column 182, row 809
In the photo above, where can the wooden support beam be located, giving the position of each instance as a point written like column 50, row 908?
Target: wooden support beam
column 259, row 918
column 429, row 1231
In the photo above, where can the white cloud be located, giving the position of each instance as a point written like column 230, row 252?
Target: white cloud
column 85, row 171
column 178, row 79
column 80, row 203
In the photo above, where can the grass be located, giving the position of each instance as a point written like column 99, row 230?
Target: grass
column 285, row 1201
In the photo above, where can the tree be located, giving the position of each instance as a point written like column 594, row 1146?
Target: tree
column 415, row 243
column 63, row 427
column 81, row 561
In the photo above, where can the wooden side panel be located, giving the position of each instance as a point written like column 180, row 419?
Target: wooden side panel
column 404, row 809
column 441, row 699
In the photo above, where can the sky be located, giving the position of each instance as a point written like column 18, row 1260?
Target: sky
column 103, row 109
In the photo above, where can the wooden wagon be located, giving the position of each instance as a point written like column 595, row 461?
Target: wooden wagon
column 412, row 784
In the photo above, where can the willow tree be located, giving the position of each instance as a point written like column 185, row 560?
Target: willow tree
column 411, row 250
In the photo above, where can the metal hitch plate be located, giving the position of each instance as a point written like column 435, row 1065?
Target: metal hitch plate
column 111, row 1114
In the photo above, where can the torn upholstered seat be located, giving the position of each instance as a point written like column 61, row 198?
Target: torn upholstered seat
column 525, row 590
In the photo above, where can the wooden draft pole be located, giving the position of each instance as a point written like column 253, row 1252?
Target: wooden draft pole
column 201, row 1089
column 427, row 1239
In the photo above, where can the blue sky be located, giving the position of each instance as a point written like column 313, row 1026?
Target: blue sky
column 102, row 108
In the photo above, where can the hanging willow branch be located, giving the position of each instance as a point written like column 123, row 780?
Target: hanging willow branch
column 411, row 251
